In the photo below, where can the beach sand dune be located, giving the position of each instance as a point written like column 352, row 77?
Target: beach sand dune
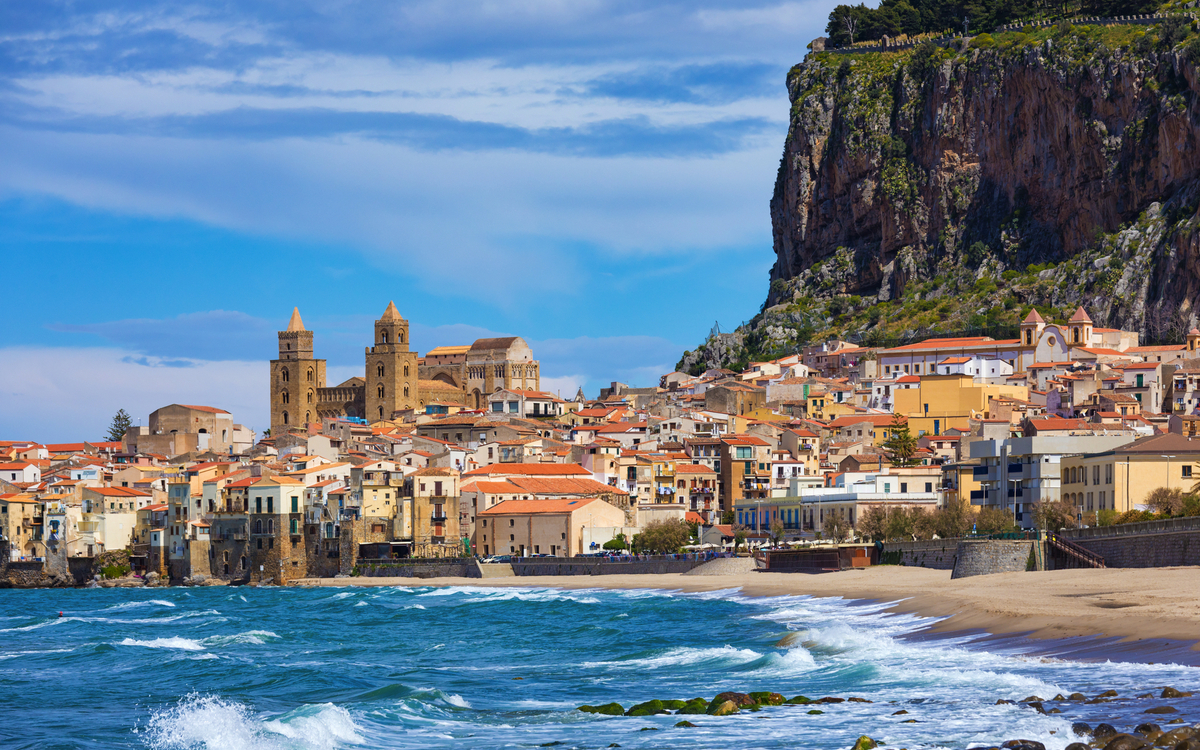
column 1133, row 604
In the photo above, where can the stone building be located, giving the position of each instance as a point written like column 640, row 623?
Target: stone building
column 396, row 380
column 188, row 428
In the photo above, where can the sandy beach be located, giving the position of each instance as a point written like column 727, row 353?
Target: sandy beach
column 1141, row 604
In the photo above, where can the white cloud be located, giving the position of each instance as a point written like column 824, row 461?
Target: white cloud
column 565, row 386
column 70, row 394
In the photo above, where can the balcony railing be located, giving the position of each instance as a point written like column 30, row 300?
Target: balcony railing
column 437, row 518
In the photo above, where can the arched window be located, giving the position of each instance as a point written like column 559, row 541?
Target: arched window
column 380, row 391
column 383, row 336
column 258, row 526
column 381, row 412
column 406, row 391
column 379, row 370
column 284, row 375
column 307, row 416
column 295, row 526
column 406, row 371
column 283, row 396
column 285, row 417
column 401, row 339
column 242, row 563
column 310, row 375
column 270, row 525
column 310, row 395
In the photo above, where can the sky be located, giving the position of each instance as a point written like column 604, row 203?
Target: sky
column 591, row 175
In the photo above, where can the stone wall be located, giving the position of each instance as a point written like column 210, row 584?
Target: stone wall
column 452, row 568
column 584, row 566
column 938, row 554
column 986, row 556
column 1154, row 544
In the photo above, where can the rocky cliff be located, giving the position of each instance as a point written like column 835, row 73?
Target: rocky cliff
column 950, row 188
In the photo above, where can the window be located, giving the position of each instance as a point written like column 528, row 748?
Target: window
column 511, row 522
column 258, row 505
column 270, row 505
column 295, row 526
column 295, row 505
column 1096, row 474
column 512, row 406
column 743, row 453
column 929, row 486
column 904, row 486
column 1186, row 470
column 1108, row 474
column 379, row 391
column 283, row 396
column 260, row 542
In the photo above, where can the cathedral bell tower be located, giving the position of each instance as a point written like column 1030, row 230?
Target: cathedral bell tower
column 295, row 378
column 391, row 368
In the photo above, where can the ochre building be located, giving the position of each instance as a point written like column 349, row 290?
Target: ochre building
column 396, row 379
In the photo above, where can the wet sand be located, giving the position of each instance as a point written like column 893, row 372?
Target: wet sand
column 1142, row 610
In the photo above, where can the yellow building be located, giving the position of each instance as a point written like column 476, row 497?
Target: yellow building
column 1122, row 478
column 940, row 402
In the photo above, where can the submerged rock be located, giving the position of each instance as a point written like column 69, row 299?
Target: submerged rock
column 1161, row 710
column 608, row 709
column 865, row 743
column 648, row 708
column 1108, row 694
column 694, row 706
column 799, row 700
column 1170, row 692
column 1076, row 697
column 901, row 712
column 768, row 699
column 725, row 708
column 1148, row 729
column 684, row 724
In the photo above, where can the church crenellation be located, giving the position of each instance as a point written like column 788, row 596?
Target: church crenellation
column 395, row 378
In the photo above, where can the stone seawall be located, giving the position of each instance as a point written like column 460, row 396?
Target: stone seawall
column 938, row 554
column 573, row 567
column 1153, row 544
column 422, row 569
column 987, row 556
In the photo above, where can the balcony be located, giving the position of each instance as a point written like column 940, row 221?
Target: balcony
column 437, row 518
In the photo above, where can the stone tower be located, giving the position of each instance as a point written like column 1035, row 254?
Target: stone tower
column 391, row 368
column 295, row 378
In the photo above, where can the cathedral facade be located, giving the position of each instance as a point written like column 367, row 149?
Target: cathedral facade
column 395, row 378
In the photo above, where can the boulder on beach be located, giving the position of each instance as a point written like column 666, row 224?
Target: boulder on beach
column 1170, row 692
column 1104, row 730
column 1023, row 745
column 725, row 708
column 1082, row 728
column 1148, row 729
column 1176, row 736
column 1077, row 746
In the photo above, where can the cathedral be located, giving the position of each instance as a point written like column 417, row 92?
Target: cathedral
column 396, row 379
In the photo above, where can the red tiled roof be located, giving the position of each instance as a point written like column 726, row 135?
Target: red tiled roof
column 209, row 409
column 529, row 470
column 533, row 507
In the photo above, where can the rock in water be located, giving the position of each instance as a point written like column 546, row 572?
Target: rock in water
column 1126, row 742
column 743, row 700
column 768, row 699
column 1162, row 710
column 608, row 709
column 1082, row 728
column 724, row 709
column 799, row 700
column 1023, row 745
column 1170, row 692
column 865, row 743
column 1104, row 730
column 1077, row 746
column 649, row 708
column 684, row 724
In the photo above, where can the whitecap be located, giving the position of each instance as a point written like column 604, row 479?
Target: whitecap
column 146, row 603
column 185, row 644
column 684, row 656
column 414, row 606
column 321, row 727
column 256, row 637
column 362, row 604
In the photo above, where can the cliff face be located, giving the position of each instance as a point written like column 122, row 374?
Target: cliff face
column 947, row 189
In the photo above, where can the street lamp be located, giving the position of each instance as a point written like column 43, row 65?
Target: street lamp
column 1168, row 484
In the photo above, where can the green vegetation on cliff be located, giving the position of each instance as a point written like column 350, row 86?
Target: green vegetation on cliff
column 921, row 192
column 858, row 23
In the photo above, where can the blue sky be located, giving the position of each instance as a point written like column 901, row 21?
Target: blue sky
column 592, row 175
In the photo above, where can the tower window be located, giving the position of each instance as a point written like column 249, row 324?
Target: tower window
column 383, row 336
column 283, row 396
column 285, row 417
column 284, row 376
column 406, row 391
column 310, row 375
column 380, row 391
column 379, row 370
column 381, row 412
column 405, row 371
column 310, row 395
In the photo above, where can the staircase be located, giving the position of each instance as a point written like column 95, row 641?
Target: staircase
column 496, row 570
column 1075, row 555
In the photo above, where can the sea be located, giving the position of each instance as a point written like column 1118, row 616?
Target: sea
column 469, row 667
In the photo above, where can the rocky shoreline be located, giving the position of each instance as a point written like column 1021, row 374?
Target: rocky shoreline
column 1177, row 734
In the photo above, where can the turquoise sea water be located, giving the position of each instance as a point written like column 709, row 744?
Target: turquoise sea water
column 438, row 668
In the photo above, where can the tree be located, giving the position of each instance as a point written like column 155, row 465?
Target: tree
column 872, row 524
column 1054, row 514
column 120, row 423
column 1168, row 502
column 953, row 519
column 776, row 532
column 836, row 527
column 900, row 446
column 663, row 537
column 739, row 538
column 727, row 518
column 992, row 520
column 617, row 543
